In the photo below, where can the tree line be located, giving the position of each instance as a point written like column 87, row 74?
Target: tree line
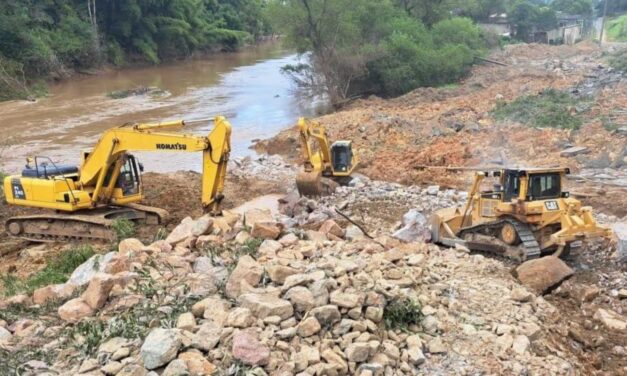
column 49, row 38
column 390, row 47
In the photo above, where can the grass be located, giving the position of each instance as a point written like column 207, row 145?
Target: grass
column 123, row 229
column 549, row 109
column 58, row 270
column 13, row 360
column 400, row 314
column 618, row 60
column 616, row 29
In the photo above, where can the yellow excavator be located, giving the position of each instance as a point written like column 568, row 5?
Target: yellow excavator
column 524, row 215
column 325, row 165
column 108, row 185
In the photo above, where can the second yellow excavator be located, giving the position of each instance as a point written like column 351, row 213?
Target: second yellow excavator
column 325, row 165
column 108, row 186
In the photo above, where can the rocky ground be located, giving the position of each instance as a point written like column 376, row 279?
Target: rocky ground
column 348, row 284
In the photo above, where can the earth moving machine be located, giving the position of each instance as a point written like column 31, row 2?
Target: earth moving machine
column 325, row 165
column 525, row 215
column 108, row 186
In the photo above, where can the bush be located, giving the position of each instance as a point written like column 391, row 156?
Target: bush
column 123, row 229
column 551, row 108
column 618, row 60
column 400, row 314
column 58, row 270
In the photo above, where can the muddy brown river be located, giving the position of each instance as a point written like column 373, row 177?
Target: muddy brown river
column 246, row 86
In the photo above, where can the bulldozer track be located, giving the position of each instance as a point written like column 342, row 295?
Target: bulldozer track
column 530, row 245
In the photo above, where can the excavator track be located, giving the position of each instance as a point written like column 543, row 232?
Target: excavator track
column 529, row 246
column 77, row 227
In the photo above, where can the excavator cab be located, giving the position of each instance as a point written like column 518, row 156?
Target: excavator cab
column 342, row 156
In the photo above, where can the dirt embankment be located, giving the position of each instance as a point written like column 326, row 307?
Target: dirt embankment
column 452, row 126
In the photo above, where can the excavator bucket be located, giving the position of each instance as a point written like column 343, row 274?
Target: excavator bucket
column 309, row 183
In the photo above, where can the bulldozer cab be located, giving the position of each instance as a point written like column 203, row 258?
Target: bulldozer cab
column 342, row 156
column 527, row 185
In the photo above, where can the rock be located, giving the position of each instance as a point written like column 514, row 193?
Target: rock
column 611, row 319
column 130, row 246
column 301, row 298
column 202, row 226
column 74, row 310
column 521, row 344
column 112, row 368
column 374, row 313
column 5, row 335
column 197, row 365
column 53, row 293
column 336, row 361
column 87, row 270
column 248, row 349
column 354, row 233
column 433, row 190
column 266, row 230
column 416, row 356
column 240, row 318
column 357, row 352
column 132, row 370
column 256, row 215
column 112, row 345
column 181, row 232
column 177, row 367
column 622, row 294
column 316, row 237
column 242, row 237
column 415, row 228
column 160, row 347
column 278, row 273
column 247, row 270
column 435, row 346
column 289, row 240
column 331, row 227
column 308, row 327
column 573, row 151
column 264, row 305
column 521, row 295
column 346, row 300
column 326, row 315
column 620, row 233
column 269, row 248
column 98, row 290
column 207, row 336
column 543, row 274
column 88, row 365
column 186, row 321
column 589, row 293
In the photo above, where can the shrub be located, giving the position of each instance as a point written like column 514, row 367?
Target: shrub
column 400, row 314
column 551, row 108
column 123, row 229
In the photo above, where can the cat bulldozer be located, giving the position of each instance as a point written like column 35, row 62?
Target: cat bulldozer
column 525, row 215
column 325, row 165
column 84, row 202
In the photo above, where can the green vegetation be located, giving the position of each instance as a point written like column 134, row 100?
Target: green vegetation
column 616, row 29
column 385, row 47
column 124, row 229
column 551, row 108
column 58, row 270
column 618, row 60
column 44, row 39
column 400, row 314
column 13, row 361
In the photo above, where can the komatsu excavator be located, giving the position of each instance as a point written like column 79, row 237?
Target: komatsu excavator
column 108, row 185
column 325, row 166
column 525, row 215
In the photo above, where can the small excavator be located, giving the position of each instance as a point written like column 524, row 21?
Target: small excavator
column 108, row 185
column 526, row 215
column 326, row 166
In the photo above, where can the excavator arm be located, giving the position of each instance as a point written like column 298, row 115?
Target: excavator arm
column 112, row 147
column 314, row 158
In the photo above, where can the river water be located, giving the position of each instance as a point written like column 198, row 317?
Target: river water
column 247, row 87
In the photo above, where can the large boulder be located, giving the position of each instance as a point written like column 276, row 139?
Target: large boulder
column 160, row 347
column 181, row 232
column 247, row 270
column 620, row 232
column 266, row 230
column 55, row 293
column 543, row 274
column 248, row 349
column 256, row 215
column 415, row 228
column 98, row 290
column 87, row 270
column 196, row 363
column 611, row 319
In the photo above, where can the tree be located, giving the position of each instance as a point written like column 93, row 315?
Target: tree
column 527, row 16
column 578, row 7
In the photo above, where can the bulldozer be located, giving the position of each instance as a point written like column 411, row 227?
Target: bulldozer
column 325, row 165
column 524, row 215
column 87, row 200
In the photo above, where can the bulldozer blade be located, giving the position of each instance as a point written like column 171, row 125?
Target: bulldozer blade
column 310, row 183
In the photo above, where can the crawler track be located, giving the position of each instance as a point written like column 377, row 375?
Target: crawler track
column 529, row 245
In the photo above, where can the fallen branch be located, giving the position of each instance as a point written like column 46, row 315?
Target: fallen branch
column 358, row 226
column 491, row 61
